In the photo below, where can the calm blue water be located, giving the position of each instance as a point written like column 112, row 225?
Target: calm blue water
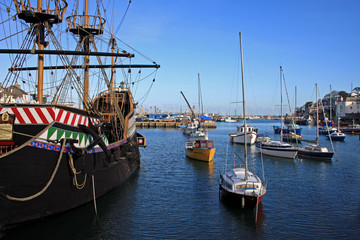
column 172, row 197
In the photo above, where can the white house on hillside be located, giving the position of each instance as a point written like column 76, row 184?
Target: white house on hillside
column 350, row 108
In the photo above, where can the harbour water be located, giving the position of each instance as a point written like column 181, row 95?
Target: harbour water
column 173, row 197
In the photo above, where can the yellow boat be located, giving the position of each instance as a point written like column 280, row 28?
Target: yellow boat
column 201, row 149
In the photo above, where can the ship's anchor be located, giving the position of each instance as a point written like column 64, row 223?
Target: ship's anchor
column 97, row 140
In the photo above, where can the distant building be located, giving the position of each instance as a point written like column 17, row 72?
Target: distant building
column 308, row 109
column 13, row 94
column 328, row 102
column 350, row 108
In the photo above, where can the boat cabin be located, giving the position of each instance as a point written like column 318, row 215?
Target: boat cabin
column 249, row 129
column 234, row 181
column 202, row 143
column 315, row 148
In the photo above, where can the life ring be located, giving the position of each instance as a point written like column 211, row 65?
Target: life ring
column 5, row 117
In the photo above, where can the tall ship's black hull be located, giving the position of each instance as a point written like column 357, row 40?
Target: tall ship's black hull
column 72, row 136
column 32, row 186
column 62, row 194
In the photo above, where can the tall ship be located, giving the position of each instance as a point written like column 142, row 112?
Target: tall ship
column 72, row 137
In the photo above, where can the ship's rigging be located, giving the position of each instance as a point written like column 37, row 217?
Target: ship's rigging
column 72, row 67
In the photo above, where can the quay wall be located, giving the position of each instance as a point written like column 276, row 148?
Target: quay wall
column 166, row 124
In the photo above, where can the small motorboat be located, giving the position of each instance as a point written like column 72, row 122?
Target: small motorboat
column 199, row 133
column 201, row 149
column 239, row 136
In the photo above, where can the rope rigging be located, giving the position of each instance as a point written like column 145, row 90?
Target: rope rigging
column 147, row 93
column 61, row 88
column 327, row 127
column 19, row 59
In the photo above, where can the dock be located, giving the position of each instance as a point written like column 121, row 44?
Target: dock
column 170, row 124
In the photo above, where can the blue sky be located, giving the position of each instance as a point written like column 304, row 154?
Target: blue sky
column 314, row 41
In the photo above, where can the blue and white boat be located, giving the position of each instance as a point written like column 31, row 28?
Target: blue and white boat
column 277, row 149
column 288, row 129
column 326, row 130
column 316, row 151
column 336, row 136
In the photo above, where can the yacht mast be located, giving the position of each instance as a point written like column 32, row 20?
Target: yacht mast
column 199, row 94
column 317, row 116
column 244, row 115
column 330, row 105
column 281, row 108
column 295, row 102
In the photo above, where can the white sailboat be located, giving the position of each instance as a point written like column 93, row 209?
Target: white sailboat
column 315, row 150
column 336, row 135
column 278, row 148
column 194, row 130
column 239, row 185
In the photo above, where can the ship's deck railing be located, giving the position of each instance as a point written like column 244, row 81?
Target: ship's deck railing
column 58, row 9
column 95, row 26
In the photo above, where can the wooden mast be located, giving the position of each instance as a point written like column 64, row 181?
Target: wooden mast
column 40, row 42
column 41, row 20
column 112, row 59
column 86, row 49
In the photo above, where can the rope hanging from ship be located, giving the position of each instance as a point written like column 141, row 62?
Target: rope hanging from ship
column 75, row 173
column 97, row 141
column 24, row 199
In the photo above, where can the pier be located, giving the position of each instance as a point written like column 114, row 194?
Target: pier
column 172, row 124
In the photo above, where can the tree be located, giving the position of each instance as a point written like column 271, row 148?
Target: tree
column 343, row 94
column 357, row 89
